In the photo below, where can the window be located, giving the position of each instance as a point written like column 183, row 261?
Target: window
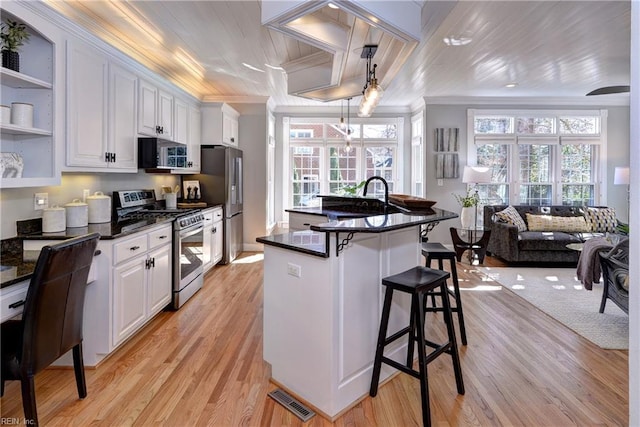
column 417, row 156
column 320, row 163
column 539, row 157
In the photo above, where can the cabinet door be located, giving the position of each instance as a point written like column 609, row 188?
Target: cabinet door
column 147, row 108
column 217, row 243
column 195, row 138
column 87, row 77
column 234, row 132
column 181, row 117
column 159, row 280
column 165, row 114
column 129, row 298
column 227, row 130
column 123, row 96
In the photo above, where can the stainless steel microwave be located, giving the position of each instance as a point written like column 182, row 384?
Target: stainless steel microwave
column 158, row 153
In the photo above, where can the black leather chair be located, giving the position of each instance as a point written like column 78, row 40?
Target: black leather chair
column 51, row 322
column 615, row 274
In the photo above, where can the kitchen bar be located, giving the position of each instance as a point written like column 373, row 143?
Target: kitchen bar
column 323, row 301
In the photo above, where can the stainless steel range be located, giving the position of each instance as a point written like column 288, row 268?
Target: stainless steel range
column 188, row 237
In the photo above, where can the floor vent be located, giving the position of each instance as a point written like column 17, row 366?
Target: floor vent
column 293, row 405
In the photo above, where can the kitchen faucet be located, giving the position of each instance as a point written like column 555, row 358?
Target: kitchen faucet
column 386, row 189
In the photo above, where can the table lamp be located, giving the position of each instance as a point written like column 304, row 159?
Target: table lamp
column 476, row 175
column 621, row 177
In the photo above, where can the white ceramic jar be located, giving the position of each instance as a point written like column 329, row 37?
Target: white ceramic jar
column 99, row 208
column 22, row 114
column 5, row 116
column 53, row 220
column 77, row 213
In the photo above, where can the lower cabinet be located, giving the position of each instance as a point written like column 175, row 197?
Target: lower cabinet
column 302, row 221
column 213, row 234
column 142, row 284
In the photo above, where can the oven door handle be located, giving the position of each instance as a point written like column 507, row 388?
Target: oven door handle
column 191, row 231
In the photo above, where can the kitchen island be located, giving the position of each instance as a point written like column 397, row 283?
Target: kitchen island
column 323, row 300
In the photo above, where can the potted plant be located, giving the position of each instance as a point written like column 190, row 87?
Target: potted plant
column 469, row 202
column 14, row 34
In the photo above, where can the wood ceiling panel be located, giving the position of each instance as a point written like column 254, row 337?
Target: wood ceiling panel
column 550, row 48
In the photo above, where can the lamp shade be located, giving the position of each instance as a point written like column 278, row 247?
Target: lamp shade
column 476, row 175
column 621, row 176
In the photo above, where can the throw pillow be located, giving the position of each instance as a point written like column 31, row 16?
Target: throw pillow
column 568, row 224
column 511, row 216
column 601, row 220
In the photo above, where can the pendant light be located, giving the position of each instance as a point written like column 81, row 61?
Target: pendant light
column 347, row 138
column 343, row 126
column 372, row 91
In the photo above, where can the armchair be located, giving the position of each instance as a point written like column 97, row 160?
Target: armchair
column 615, row 273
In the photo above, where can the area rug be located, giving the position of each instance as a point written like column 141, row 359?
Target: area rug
column 559, row 293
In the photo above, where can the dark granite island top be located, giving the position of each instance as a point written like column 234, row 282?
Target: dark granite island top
column 316, row 240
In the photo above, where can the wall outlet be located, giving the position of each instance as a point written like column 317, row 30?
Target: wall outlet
column 294, row 270
column 40, row 201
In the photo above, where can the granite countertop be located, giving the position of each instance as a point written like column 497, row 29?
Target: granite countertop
column 332, row 214
column 314, row 241
column 18, row 265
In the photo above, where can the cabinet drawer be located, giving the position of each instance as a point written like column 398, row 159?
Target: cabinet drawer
column 160, row 237
column 10, row 300
column 298, row 221
column 128, row 249
column 217, row 214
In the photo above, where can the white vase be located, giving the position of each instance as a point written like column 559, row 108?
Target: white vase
column 467, row 217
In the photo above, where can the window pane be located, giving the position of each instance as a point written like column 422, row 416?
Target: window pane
column 535, row 194
column 578, row 183
column 305, row 178
column 589, row 125
column 536, row 125
column 495, row 157
column 493, row 124
column 535, row 163
column 306, row 130
column 379, row 161
column 577, row 195
column 388, row 131
column 342, row 169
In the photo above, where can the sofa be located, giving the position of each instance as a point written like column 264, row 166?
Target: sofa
column 529, row 244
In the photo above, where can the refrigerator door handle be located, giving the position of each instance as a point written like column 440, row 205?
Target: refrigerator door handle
column 239, row 178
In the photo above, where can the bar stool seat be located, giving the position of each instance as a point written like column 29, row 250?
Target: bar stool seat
column 417, row 282
column 437, row 251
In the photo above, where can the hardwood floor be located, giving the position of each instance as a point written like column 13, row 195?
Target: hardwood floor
column 203, row 365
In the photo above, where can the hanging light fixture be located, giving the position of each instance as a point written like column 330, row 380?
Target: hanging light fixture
column 347, row 138
column 343, row 126
column 372, row 91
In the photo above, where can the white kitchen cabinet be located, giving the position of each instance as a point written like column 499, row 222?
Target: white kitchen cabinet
column 155, row 111
column 101, row 106
column 213, row 237
column 194, row 138
column 181, row 118
column 141, row 280
column 219, row 124
column 33, row 146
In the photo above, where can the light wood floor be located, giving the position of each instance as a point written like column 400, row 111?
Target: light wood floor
column 203, row 365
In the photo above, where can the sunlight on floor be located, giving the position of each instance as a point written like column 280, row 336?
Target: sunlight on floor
column 250, row 259
column 482, row 288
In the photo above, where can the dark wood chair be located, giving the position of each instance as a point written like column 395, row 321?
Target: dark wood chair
column 615, row 274
column 51, row 322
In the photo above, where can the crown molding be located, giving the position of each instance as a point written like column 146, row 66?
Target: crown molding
column 603, row 100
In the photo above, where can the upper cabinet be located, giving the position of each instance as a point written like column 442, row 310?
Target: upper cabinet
column 101, row 111
column 219, row 124
column 27, row 143
column 155, row 111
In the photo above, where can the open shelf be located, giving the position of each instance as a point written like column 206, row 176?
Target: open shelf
column 19, row 130
column 22, row 81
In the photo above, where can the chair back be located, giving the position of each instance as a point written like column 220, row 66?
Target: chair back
column 54, row 304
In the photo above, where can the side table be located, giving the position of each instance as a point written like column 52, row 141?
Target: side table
column 475, row 240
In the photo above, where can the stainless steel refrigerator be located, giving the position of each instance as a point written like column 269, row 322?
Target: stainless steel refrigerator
column 221, row 183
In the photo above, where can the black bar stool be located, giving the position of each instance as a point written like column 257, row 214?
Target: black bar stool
column 436, row 251
column 417, row 281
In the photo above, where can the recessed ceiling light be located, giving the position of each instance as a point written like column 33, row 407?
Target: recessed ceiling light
column 273, row 67
column 456, row 41
column 333, row 6
column 511, row 85
column 251, row 67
